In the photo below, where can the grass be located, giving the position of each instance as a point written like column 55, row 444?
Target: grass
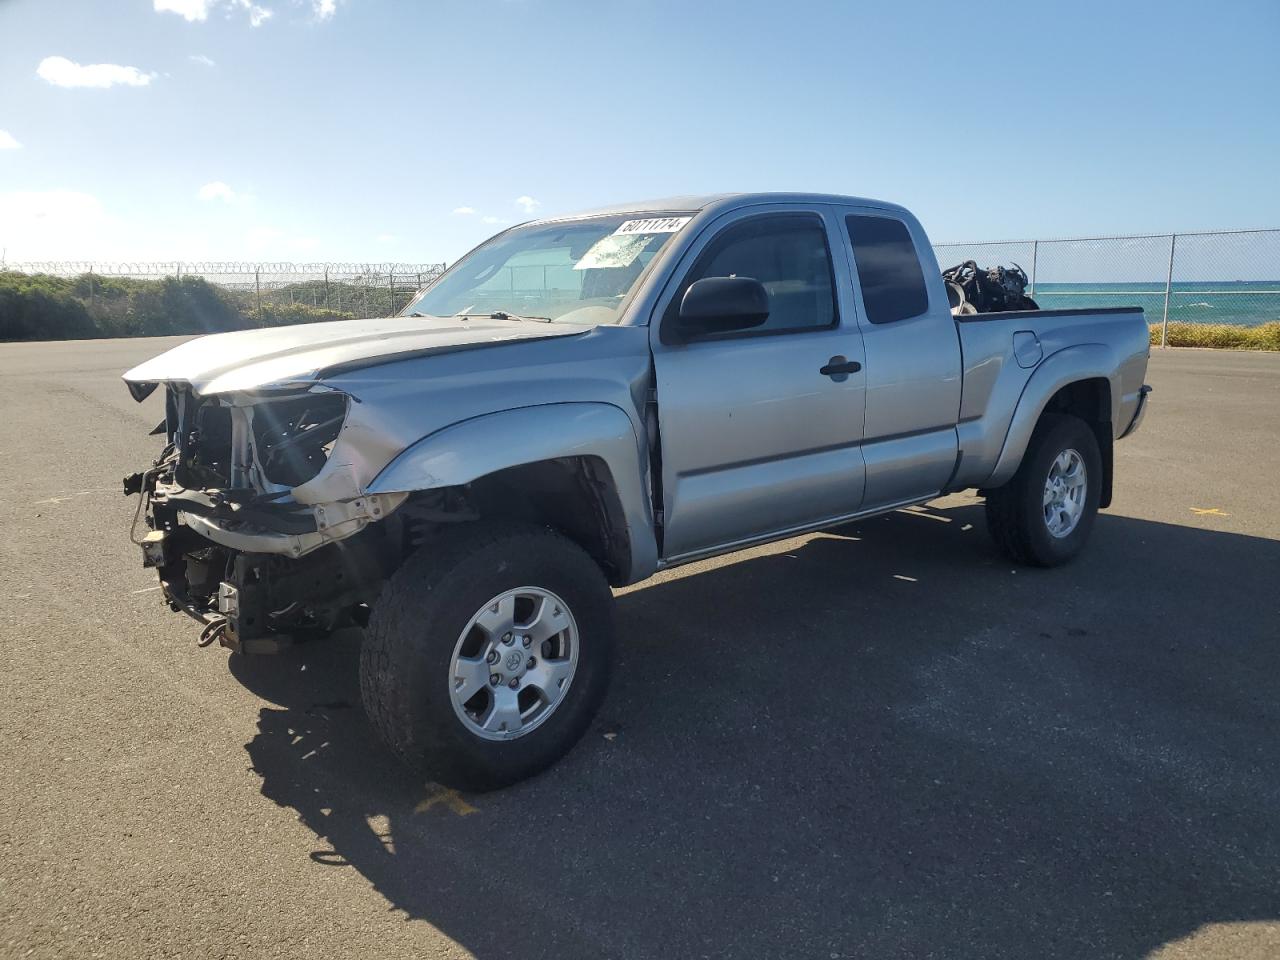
column 1223, row 336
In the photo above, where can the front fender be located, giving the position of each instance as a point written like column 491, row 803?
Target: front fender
column 1083, row 362
column 474, row 448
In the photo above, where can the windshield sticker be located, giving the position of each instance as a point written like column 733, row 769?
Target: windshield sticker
column 652, row 225
column 614, row 251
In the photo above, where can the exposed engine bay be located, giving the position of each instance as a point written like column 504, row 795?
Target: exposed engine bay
column 998, row 289
column 258, row 531
column 234, row 547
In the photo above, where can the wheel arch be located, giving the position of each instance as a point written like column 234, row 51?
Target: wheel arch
column 1080, row 381
column 579, row 467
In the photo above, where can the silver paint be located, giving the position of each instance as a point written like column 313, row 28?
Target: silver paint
column 755, row 443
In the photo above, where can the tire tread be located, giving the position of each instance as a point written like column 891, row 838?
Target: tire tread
column 1010, row 517
column 386, row 685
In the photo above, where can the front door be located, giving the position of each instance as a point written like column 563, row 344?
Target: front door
column 756, row 438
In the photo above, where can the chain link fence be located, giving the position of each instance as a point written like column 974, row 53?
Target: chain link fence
column 1224, row 277
column 363, row 289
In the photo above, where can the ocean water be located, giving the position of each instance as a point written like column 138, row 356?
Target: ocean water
column 1245, row 303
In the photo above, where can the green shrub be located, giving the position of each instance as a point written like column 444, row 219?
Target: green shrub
column 41, row 307
column 44, row 307
column 1223, row 336
column 157, row 308
column 284, row 314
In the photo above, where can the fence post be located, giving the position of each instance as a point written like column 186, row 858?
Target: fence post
column 1035, row 255
column 1168, row 286
column 257, row 286
column 91, row 286
column 391, row 292
column 326, row 286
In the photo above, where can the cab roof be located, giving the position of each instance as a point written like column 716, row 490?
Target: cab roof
column 724, row 201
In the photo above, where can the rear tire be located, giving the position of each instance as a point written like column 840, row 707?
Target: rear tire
column 437, row 639
column 1040, row 516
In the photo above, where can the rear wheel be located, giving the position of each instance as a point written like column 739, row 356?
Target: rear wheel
column 488, row 654
column 1044, row 514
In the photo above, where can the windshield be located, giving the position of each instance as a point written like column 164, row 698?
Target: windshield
column 578, row 271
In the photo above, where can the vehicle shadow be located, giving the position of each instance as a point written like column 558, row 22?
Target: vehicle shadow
column 882, row 741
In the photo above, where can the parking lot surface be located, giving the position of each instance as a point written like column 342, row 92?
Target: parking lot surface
column 880, row 741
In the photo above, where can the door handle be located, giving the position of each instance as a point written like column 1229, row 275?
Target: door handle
column 838, row 368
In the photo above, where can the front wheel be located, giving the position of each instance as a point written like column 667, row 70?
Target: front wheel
column 1043, row 515
column 488, row 654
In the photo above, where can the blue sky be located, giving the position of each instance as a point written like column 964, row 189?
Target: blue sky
column 377, row 130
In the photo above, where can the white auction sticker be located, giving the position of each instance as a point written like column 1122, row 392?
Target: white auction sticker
column 613, row 251
column 652, row 225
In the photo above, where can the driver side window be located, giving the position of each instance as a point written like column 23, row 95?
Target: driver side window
column 788, row 254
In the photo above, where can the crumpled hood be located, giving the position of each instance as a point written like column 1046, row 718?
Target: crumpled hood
column 249, row 359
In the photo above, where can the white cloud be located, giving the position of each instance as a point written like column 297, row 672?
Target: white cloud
column 257, row 15
column 216, row 190
column 62, row 72
column 465, row 211
column 189, row 10
column 528, row 204
column 324, row 9
column 198, row 10
column 8, row 141
column 387, row 238
column 201, row 59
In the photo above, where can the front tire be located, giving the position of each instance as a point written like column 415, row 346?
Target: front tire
column 488, row 654
column 1044, row 514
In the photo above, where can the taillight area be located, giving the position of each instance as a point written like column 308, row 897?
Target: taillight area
column 293, row 437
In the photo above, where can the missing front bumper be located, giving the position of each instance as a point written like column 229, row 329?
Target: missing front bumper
column 254, row 588
column 332, row 522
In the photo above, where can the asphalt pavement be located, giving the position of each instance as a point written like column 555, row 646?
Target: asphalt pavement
column 881, row 741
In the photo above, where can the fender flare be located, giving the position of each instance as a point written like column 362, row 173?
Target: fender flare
column 471, row 449
column 1087, row 361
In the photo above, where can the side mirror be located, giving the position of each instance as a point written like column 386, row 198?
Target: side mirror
column 721, row 305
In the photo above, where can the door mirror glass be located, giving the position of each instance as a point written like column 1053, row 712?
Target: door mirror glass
column 721, row 305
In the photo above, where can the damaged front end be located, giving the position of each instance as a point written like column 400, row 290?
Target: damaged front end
column 225, row 518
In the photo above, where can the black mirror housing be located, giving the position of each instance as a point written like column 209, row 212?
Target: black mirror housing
column 722, row 305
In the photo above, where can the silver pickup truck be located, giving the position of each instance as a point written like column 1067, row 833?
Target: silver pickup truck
column 580, row 402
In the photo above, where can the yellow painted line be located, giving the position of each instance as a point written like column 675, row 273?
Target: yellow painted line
column 449, row 798
column 1209, row 512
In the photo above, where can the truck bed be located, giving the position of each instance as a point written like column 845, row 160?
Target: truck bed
column 1003, row 352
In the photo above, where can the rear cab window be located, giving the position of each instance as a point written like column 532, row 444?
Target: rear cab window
column 889, row 273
